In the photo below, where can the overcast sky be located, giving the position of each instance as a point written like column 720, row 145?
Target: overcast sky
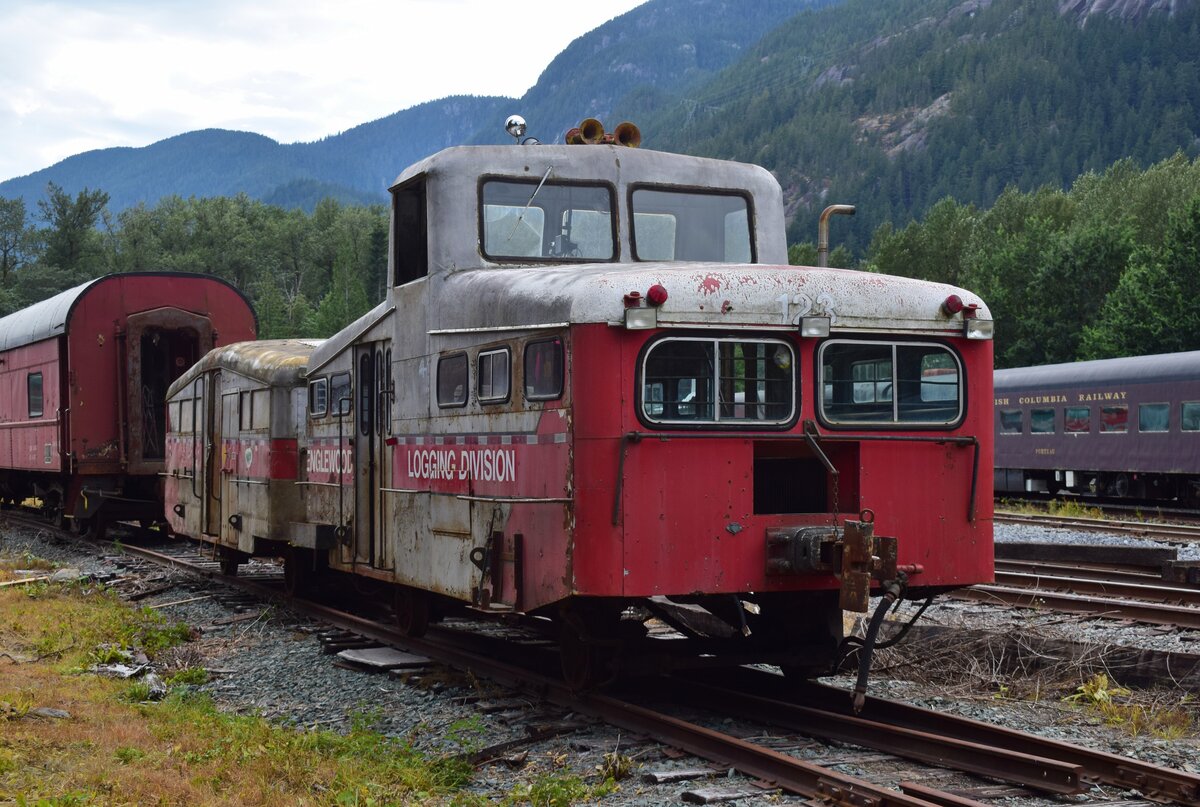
column 77, row 75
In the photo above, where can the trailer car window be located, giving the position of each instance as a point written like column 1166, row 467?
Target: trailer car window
column 262, row 409
column 452, row 380
column 1012, row 421
column 245, row 412
column 1189, row 419
column 35, row 395
column 1154, row 417
column 493, row 376
column 1041, row 421
column 1114, row 418
column 1077, row 419
column 881, row 383
column 719, row 381
column 543, row 370
column 339, row 394
column 318, row 397
column 680, row 225
column 187, row 416
column 523, row 220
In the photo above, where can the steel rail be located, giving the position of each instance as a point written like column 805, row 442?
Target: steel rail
column 1113, row 574
column 1038, row 773
column 1142, row 592
column 1157, row 783
column 1163, row 533
column 1150, row 613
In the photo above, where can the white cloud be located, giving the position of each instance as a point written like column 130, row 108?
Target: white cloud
column 78, row 75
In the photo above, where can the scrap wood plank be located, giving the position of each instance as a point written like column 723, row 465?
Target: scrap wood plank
column 24, row 581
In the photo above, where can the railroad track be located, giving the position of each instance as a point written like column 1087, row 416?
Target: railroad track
column 1047, row 767
column 1164, row 533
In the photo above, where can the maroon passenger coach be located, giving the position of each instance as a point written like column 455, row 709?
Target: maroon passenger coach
column 84, row 376
column 1126, row 427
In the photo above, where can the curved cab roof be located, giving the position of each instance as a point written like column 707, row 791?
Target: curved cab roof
column 278, row 362
column 453, row 176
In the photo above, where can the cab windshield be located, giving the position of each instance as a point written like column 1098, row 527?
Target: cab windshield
column 675, row 225
column 551, row 222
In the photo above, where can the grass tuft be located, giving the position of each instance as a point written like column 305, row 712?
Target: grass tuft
column 116, row 747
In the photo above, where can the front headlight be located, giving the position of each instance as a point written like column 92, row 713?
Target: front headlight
column 978, row 328
column 640, row 319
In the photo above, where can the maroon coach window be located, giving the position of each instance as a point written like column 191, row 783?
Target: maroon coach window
column 1012, row 421
column 1077, row 420
column 1041, row 421
column 35, row 395
column 1114, row 418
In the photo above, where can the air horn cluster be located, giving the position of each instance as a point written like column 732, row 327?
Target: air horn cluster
column 591, row 131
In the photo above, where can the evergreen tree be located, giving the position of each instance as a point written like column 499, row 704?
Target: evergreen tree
column 1150, row 310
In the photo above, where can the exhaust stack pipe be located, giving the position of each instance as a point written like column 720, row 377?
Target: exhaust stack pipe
column 823, row 230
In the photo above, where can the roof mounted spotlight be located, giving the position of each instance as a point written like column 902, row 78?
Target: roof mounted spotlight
column 515, row 126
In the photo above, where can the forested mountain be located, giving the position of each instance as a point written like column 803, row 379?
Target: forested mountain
column 892, row 106
column 355, row 166
column 664, row 44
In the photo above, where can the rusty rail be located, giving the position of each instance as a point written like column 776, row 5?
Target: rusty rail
column 1100, row 587
column 1107, row 573
column 1038, row 773
column 1148, row 612
column 1158, row 784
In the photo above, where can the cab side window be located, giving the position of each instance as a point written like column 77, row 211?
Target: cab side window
column 544, row 370
column 318, row 397
column 339, row 394
column 452, row 380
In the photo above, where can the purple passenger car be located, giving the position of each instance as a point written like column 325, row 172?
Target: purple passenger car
column 1125, row 427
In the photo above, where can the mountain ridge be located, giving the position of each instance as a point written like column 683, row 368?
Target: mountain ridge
column 890, row 106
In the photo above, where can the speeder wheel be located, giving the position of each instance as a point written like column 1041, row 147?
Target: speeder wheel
column 412, row 611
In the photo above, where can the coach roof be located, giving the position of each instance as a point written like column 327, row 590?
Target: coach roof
column 1161, row 367
column 41, row 320
column 278, row 362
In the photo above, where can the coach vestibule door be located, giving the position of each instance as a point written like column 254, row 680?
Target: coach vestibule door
column 372, row 420
column 210, row 444
column 227, row 504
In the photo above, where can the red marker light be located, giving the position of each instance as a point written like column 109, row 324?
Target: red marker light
column 952, row 305
column 656, row 295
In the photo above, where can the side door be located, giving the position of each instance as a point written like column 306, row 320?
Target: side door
column 227, row 463
column 209, row 448
column 372, row 421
